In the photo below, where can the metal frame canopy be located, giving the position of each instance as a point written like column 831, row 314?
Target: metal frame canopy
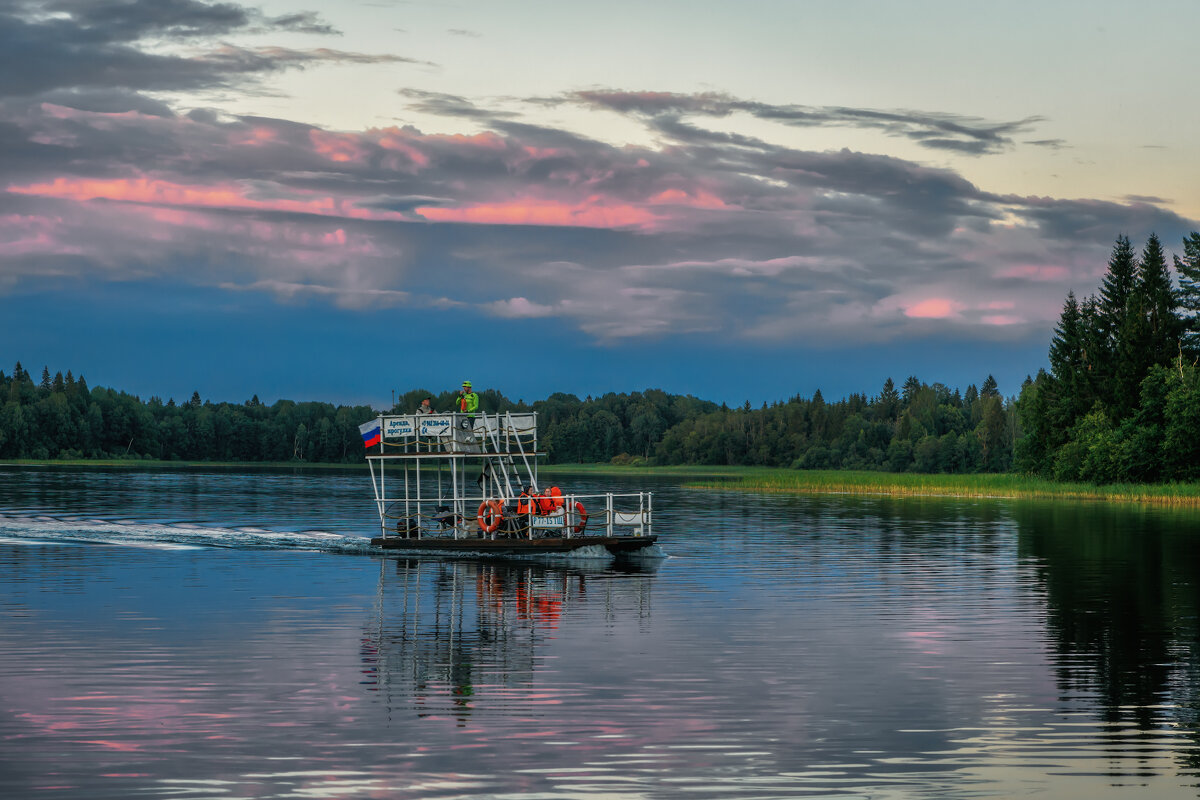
column 463, row 475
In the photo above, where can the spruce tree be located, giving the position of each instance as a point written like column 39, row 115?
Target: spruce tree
column 1094, row 379
column 1067, row 393
column 1160, row 304
column 1189, row 293
column 1065, row 347
column 887, row 407
column 1130, row 360
column 1149, row 332
column 1117, row 287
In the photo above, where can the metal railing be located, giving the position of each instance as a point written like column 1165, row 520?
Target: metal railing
column 498, row 440
column 581, row 515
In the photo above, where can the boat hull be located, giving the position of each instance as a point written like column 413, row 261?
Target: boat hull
column 617, row 545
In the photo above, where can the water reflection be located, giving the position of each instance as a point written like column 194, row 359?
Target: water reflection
column 453, row 636
column 1122, row 592
column 828, row 647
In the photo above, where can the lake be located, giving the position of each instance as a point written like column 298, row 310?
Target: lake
column 224, row 634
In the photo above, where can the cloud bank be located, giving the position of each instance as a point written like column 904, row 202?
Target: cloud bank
column 107, row 175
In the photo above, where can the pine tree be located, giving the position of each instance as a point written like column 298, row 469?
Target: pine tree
column 1066, row 352
column 1117, row 287
column 1035, row 450
column 1094, row 379
column 990, row 388
column 1160, row 303
column 1188, row 269
column 887, row 407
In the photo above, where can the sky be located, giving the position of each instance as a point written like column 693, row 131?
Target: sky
column 739, row 201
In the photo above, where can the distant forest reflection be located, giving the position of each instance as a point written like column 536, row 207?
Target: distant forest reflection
column 1122, row 591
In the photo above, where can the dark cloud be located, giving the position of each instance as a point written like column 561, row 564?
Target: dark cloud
column 968, row 135
column 1098, row 220
column 109, row 101
column 130, row 20
column 89, row 47
column 1049, row 144
column 448, row 105
column 705, row 232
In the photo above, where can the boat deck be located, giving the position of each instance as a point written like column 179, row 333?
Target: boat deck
column 616, row 545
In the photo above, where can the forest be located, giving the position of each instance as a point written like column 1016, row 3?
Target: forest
column 1120, row 402
column 918, row 427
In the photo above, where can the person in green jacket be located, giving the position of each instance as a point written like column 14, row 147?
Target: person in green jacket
column 467, row 401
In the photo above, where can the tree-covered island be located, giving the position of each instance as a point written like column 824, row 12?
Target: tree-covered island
column 1120, row 403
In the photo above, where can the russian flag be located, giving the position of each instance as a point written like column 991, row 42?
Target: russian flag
column 371, row 432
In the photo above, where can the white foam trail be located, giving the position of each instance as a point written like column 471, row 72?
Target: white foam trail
column 175, row 535
column 649, row 553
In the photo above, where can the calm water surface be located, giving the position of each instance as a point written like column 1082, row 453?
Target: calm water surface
column 212, row 634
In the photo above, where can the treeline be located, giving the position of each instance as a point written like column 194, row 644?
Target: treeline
column 60, row 417
column 920, row 427
column 1121, row 401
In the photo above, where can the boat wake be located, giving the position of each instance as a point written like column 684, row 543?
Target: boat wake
column 43, row 529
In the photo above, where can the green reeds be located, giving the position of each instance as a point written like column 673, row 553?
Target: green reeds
column 907, row 484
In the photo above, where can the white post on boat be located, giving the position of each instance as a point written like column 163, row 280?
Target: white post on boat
column 649, row 513
column 455, row 502
column 609, row 515
column 575, row 519
column 406, row 490
column 376, row 490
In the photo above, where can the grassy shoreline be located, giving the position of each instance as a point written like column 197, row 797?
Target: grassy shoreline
column 1186, row 495
column 769, row 479
column 908, row 484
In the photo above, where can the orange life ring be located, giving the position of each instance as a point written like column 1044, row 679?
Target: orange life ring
column 582, row 513
column 490, row 515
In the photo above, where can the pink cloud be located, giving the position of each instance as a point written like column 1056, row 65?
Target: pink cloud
column 695, row 199
column 530, row 211
column 339, row 147
column 256, row 135
column 20, row 235
column 933, row 308
column 1035, row 272
column 393, row 141
column 167, row 193
column 1002, row 319
column 519, row 308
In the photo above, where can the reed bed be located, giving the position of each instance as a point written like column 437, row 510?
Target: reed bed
column 1007, row 485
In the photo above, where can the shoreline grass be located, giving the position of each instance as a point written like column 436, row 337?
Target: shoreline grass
column 905, row 484
column 1003, row 485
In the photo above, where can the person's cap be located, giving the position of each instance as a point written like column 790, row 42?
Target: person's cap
column 467, row 384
